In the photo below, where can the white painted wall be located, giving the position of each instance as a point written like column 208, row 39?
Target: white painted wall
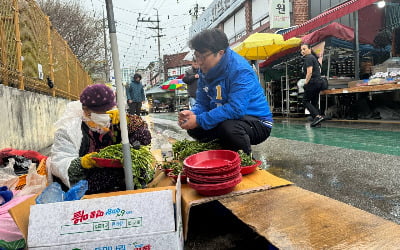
column 27, row 119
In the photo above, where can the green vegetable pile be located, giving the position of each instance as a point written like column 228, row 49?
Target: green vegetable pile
column 142, row 162
column 246, row 160
column 185, row 148
column 172, row 164
column 177, row 168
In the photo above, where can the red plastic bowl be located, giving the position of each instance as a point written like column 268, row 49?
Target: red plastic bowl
column 167, row 170
column 250, row 169
column 211, row 159
column 215, row 189
column 205, row 178
column 108, row 163
column 212, row 171
column 175, row 177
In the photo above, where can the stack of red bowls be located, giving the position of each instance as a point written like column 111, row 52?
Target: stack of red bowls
column 213, row 172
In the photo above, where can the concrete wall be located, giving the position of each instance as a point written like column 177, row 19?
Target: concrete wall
column 27, row 119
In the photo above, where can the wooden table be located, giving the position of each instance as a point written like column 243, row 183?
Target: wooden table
column 360, row 89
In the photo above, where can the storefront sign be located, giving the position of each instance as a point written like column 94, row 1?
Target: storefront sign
column 214, row 14
column 280, row 14
column 173, row 72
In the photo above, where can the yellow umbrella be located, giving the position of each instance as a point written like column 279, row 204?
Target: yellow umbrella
column 261, row 46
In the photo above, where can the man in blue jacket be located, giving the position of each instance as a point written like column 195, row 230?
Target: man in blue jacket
column 135, row 95
column 230, row 103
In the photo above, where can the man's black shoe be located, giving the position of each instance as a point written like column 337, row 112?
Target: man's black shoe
column 317, row 120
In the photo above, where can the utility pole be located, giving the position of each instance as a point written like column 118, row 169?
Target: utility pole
column 157, row 21
column 126, row 147
column 194, row 13
column 106, row 66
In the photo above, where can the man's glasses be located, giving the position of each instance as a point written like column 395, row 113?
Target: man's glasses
column 201, row 57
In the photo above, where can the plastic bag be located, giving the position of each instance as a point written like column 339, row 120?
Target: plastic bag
column 7, row 176
column 35, row 183
column 54, row 193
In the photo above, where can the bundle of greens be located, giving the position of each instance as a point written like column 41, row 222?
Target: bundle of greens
column 185, row 148
column 142, row 162
column 246, row 159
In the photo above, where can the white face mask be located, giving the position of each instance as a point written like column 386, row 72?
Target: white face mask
column 102, row 120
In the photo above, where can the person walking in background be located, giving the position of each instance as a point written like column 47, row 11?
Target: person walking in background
column 230, row 103
column 190, row 78
column 135, row 95
column 312, row 84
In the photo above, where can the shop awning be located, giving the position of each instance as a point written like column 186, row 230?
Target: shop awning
column 328, row 16
column 334, row 29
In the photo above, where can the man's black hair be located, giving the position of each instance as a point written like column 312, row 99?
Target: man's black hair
column 213, row 40
column 137, row 75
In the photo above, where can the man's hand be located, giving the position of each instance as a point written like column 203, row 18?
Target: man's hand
column 187, row 119
column 114, row 115
column 130, row 101
column 196, row 76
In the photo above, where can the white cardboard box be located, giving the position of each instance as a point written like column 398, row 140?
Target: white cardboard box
column 140, row 221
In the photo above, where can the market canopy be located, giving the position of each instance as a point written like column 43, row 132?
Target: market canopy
column 173, row 84
column 328, row 16
column 260, row 46
column 155, row 90
column 334, row 29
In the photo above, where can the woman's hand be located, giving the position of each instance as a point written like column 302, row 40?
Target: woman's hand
column 87, row 161
column 114, row 116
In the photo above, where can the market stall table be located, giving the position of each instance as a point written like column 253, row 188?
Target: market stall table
column 360, row 89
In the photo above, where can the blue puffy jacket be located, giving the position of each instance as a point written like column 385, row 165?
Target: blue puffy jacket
column 230, row 90
column 135, row 92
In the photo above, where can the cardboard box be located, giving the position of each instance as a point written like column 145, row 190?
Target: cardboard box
column 140, row 221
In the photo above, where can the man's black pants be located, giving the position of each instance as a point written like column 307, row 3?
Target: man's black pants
column 135, row 108
column 234, row 134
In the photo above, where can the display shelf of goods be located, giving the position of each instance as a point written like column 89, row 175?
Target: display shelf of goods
column 292, row 96
column 275, row 96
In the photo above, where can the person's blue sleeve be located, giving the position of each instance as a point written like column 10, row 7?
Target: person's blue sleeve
column 235, row 107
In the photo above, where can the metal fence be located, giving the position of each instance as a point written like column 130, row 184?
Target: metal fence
column 32, row 53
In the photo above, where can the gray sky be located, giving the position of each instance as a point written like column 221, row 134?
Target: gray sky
column 136, row 42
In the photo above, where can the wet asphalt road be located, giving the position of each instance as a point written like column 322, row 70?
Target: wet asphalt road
column 366, row 180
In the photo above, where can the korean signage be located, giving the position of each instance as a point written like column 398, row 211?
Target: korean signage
column 279, row 14
column 217, row 11
column 173, row 72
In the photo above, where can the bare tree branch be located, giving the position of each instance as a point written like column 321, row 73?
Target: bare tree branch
column 82, row 31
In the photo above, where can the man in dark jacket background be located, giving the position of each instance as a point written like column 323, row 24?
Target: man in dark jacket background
column 135, row 95
column 190, row 78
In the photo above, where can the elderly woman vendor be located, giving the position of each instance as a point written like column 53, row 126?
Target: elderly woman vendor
column 86, row 127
